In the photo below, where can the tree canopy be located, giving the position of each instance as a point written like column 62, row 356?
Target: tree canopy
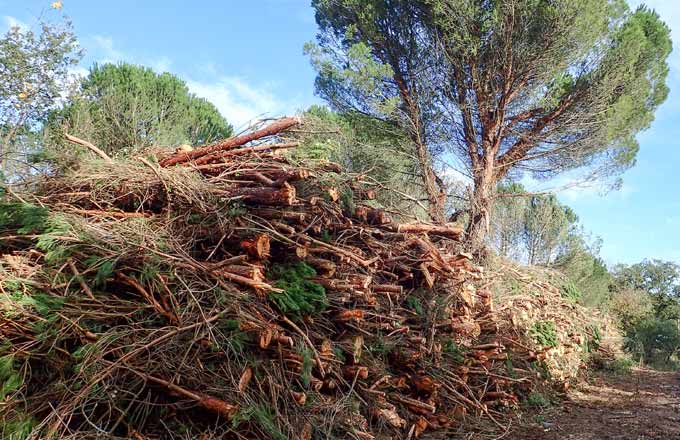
column 34, row 72
column 536, row 229
column 121, row 107
column 377, row 149
column 659, row 279
column 505, row 87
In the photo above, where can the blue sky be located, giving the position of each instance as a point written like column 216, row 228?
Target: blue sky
column 246, row 57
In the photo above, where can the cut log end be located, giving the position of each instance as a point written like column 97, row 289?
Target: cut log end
column 257, row 247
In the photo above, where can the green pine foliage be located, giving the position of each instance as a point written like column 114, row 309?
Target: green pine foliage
column 123, row 107
column 104, row 269
column 361, row 145
column 414, row 303
column 456, row 352
column 10, row 378
column 307, row 365
column 23, row 217
column 564, row 86
column 21, row 296
column 570, row 292
column 299, row 295
column 545, row 334
column 17, row 429
column 264, row 417
column 51, row 240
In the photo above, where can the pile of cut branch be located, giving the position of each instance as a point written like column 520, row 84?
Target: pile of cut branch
column 227, row 292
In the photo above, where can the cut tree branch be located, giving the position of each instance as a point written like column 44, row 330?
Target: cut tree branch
column 270, row 130
column 89, row 146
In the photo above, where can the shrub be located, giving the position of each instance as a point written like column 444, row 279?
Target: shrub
column 657, row 341
column 24, row 217
column 594, row 338
column 537, row 400
column 621, row 365
column 631, row 307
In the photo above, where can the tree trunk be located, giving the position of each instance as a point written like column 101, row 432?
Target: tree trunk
column 434, row 190
column 481, row 204
column 435, row 194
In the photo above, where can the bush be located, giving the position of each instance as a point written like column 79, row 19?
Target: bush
column 618, row 365
column 537, row 400
column 631, row 307
column 655, row 340
column 621, row 365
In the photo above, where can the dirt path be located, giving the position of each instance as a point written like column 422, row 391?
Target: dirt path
column 642, row 406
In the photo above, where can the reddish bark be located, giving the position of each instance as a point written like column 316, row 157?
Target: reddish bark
column 448, row 230
column 284, row 196
column 222, row 154
column 325, row 267
column 269, row 214
column 372, row 216
column 270, row 130
column 257, row 247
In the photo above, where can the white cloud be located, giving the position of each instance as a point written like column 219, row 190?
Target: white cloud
column 161, row 64
column 572, row 188
column 455, row 175
column 78, row 71
column 104, row 47
column 240, row 102
column 12, row 22
column 574, row 192
column 106, row 51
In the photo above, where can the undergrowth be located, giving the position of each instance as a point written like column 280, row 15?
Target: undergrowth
column 24, row 217
column 537, row 400
column 454, row 351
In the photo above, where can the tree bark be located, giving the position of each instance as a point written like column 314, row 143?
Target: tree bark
column 284, row 196
column 447, row 230
column 273, row 129
column 90, row 146
column 257, row 247
column 436, row 195
column 481, row 204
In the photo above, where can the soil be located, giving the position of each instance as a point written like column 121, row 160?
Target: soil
column 643, row 405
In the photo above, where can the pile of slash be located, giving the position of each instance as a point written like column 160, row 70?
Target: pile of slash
column 227, row 291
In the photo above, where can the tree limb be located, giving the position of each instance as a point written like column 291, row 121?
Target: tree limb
column 89, row 146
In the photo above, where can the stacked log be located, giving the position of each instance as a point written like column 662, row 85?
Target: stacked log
column 394, row 317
